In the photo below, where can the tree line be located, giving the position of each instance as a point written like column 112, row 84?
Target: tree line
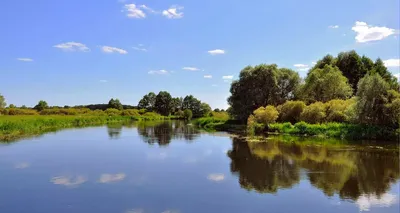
column 370, row 91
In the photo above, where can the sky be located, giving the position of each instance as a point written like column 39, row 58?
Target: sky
column 73, row 52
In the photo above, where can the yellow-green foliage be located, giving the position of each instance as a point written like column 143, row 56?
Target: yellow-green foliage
column 60, row 111
column 314, row 113
column 290, row 111
column 130, row 112
column 266, row 115
column 16, row 111
column 220, row 115
column 112, row 112
column 339, row 110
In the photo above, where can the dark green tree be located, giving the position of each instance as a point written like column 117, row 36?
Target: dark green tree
column 187, row 114
column 115, row 104
column 217, row 110
column 380, row 68
column 326, row 60
column 163, row 103
column 177, row 104
column 192, row 103
column 205, row 109
column 24, row 107
column 351, row 65
column 367, row 63
column 12, row 106
column 288, row 82
column 41, row 105
column 148, row 102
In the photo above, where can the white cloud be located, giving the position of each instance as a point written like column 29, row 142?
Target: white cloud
column 334, row 26
column 227, row 77
column 108, row 49
column 366, row 33
column 108, row 178
column 140, row 48
column 25, row 59
column 103, row 81
column 303, row 69
column 72, row 46
column 158, row 72
column 68, row 181
column 208, row 76
column 313, row 63
column 148, row 8
column 22, row 165
column 216, row 52
column 134, row 12
column 397, row 76
column 392, row 63
column 365, row 202
column 216, row 177
column 191, row 68
column 300, row 65
column 174, row 12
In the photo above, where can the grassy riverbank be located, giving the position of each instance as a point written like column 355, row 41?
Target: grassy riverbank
column 325, row 130
column 14, row 127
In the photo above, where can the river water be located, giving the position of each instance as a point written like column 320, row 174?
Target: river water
column 171, row 167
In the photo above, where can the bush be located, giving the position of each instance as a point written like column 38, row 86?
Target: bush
column 16, row 111
column 130, row 112
column 314, row 113
column 112, row 112
column 266, row 115
column 179, row 113
column 290, row 111
column 220, row 115
column 339, row 110
column 187, row 114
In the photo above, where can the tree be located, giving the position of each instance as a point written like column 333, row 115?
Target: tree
column 176, row 104
column 371, row 99
column 187, row 114
column 217, row 110
column 24, row 107
column 314, row 113
column 2, row 102
column 290, row 111
column 367, row 63
column 351, row 65
column 205, row 109
column 41, row 105
column 115, row 104
column 148, row 102
column 325, row 84
column 339, row 110
column 260, row 86
column 192, row 103
column 326, row 60
column 380, row 68
column 163, row 103
column 12, row 106
column 266, row 115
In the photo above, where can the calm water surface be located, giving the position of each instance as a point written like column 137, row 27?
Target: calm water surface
column 171, row 167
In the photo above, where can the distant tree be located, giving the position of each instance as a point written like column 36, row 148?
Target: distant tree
column 187, row 114
column 287, row 83
column 24, row 107
column 2, row 102
column 12, row 106
column 180, row 114
column 176, row 104
column 325, row 84
column 380, row 68
column 326, row 60
column 192, row 103
column 148, row 102
column 41, row 105
column 205, row 109
column 217, row 110
column 351, row 65
column 163, row 103
column 114, row 104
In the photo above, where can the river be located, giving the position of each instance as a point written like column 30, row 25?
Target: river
column 170, row 167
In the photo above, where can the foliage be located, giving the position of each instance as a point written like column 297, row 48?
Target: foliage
column 187, row 114
column 2, row 102
column 260, row 86
column 351, row 65
column 179, row 113
column 41, row 105
column 176, row 104
column 130, row 112
column 11, row 106
column 63, row 111
column 193, row 104
column 148, row 102
column 115, row 104
column 266, row 115
column 163, row 104
column 16, row 111
column 325, row 84
column 381, row 69
column 314, row 113
column 326, row 60
column 291, row 110
column 112, row 112
column 205, row 110
column 338, row 110
column 220, row 115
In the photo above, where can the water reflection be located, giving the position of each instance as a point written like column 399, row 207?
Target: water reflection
column 351, row 173
column 162, row 133
column 114, row 131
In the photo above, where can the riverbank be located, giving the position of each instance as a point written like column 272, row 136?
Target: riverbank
column 325, row 130
column 14, row 127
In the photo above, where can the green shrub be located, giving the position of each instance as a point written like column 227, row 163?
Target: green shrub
column 220, row 115
column 314, row 113
column 290, row 111
column 266, row 115
column 130, row 112
column 112, row 112
column 187, row 114
column 16, row 111
column 339, row 110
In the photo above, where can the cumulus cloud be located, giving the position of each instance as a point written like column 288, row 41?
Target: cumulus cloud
column 174, row 12
column 208, row 76
column 397, row 76
column 392, row 63
column 365, row 202
column 148, row 8
column 191, row 68
column 334, row 26
column 69, row 181
column 216, row 177
column 108, row 49
column 134, row 12
column 158, row 72
column 216, row 52
column 72, row 46
column 300, row 65
column 367, row 33
column 313, row 63
column 227, row 77
column 25, row 59
column 108, row 178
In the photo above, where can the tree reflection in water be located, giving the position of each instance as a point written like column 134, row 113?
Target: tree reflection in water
column 350, row 173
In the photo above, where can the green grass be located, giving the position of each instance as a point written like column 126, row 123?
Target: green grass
column 14, row 127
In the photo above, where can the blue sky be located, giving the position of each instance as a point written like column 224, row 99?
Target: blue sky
column 88, row 51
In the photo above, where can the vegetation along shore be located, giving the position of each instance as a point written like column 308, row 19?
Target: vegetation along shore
column 347, row 96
